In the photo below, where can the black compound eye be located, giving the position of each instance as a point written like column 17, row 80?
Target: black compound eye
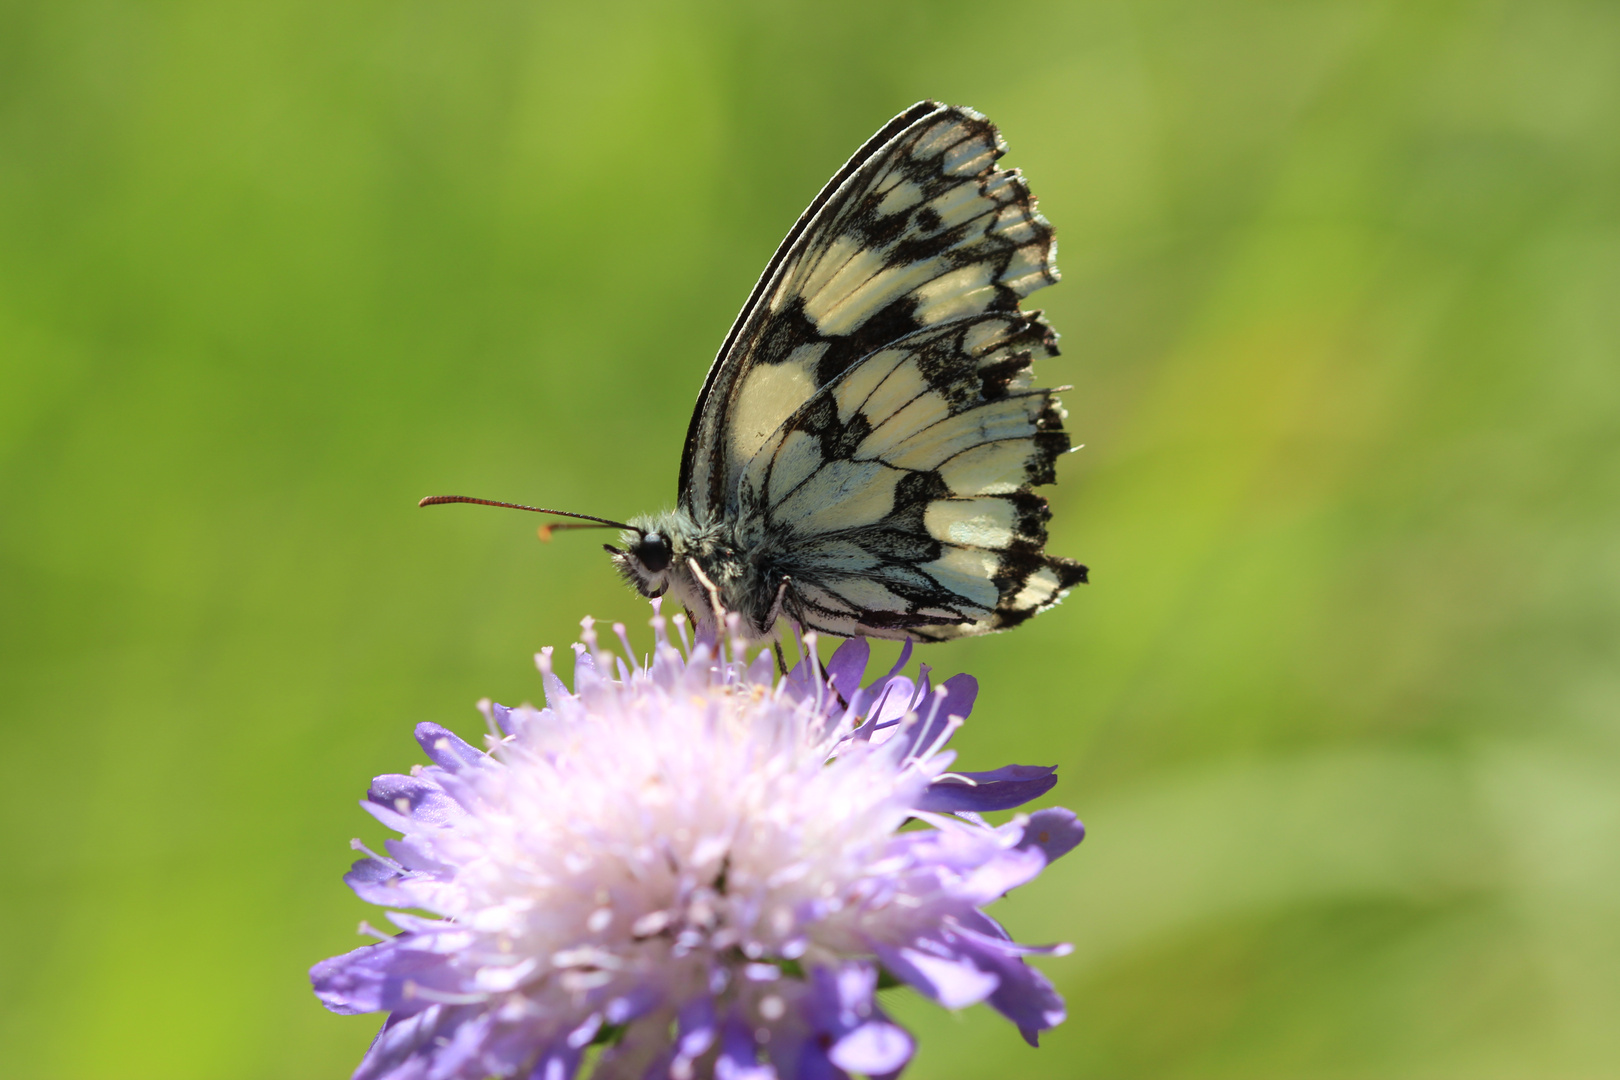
column 654, row 553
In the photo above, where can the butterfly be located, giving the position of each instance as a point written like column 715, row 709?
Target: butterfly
column 862, row 457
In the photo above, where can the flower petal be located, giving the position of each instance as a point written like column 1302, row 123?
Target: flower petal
column 697, row 1027
column 410, row 799
column 954, row 982
column 373, row 977
column 449, row 750
column 739, row 1058
column 847, row 665
column 1055, row 831
column 1000, row 875
column 1023, row 995
column 954, row 697
column 981, row 792
column 557, row 1063
column 873, row 1049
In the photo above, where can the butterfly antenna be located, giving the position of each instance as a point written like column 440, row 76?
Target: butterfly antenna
column 545, row 531
column 601, row 523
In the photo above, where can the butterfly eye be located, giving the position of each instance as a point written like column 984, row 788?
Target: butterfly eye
column 654, row 553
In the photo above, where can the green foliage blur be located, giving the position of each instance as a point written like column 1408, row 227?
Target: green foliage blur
column 1341, row 309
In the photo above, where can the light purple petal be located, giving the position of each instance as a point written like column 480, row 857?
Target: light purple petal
column 873, row 1048
column 370, row 878
column 954, row 697
column 411, row 798
column 353, row 981
column 952, row 981
column 982, row 792
column 410, row 855
column 504, row 718
column 509, row 1047
column 1055, row 831
column 1028, row 999
column 891, row 703
column 376, row 977
column 462, row 787
column 697, row 1027
column 584, row 1032
column 393, row 1053
column 557, row 695
column 861, row 701
column 961, row 691
column 409, row 1050
column 460, row 1052
column 557, row 1063
column 447, row 749
column 847, row 665
column 586, row 677
column 762, row 672
column 977, row 925
column 1000, row 875
column 904, row 659
column 1025, row 996
column 809, row 1063
column 739, row 1060
column 640, row 1001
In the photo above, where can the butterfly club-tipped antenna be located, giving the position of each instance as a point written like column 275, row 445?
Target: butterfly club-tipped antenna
column 587, row 521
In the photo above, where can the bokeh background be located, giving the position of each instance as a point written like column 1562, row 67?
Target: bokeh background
column 1341, row 308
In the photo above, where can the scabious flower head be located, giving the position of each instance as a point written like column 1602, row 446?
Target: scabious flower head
column 689, row 868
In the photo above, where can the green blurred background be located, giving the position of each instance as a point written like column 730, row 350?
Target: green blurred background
column 1342, row 309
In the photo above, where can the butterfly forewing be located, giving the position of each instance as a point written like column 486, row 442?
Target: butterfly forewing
column 918, row 229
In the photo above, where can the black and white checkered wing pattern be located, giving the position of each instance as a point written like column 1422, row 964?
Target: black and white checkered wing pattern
column 896, row 502
column 918, row 229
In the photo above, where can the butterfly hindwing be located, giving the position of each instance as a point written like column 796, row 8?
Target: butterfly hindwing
column 918, row 229
column 897, row 501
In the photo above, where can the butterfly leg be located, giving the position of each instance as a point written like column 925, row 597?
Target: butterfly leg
column 776, row 605
column 770, row 624
column 713, row 591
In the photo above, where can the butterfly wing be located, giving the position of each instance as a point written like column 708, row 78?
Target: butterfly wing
column 897, row 501
column 918, row 228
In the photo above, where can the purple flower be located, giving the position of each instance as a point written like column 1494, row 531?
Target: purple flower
column 689, row 868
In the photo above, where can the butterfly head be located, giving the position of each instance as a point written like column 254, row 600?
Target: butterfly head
column 654, row 551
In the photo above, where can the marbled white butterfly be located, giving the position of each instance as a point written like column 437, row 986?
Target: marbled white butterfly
column 862, row 455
